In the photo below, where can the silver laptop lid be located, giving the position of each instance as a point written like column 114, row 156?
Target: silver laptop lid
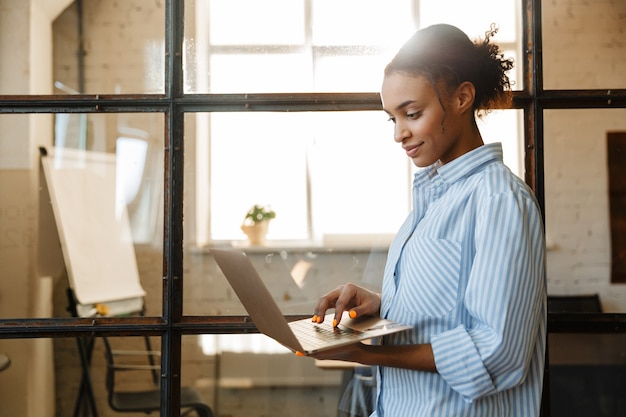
column 255, row 296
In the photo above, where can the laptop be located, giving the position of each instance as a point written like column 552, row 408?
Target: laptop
column 302, row 336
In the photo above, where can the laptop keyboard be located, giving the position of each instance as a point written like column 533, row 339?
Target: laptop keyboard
column 319, row 335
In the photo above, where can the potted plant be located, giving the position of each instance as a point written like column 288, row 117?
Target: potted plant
column 256, row 223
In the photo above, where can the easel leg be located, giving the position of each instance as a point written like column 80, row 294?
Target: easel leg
column 85, row 350
column 85, row 390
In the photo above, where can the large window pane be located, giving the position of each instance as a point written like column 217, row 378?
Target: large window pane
column 346, row 30
column 583, row 45
column 97, row 227
column 577, row 203
column 254, row 376
column 118, row 49
column 295, row 278
column 342, row 170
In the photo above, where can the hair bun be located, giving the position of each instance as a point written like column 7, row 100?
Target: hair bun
column 443, row 51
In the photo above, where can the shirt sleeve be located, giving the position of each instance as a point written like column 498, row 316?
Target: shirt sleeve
column 492, row 350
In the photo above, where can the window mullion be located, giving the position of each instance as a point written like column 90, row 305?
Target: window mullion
column 173, row 209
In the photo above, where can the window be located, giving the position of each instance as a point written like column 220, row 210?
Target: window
column 329, row 175
column 183, row 99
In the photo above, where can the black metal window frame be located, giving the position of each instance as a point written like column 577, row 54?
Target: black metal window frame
column 174, row 104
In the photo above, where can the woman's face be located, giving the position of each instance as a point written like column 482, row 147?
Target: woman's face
column 426, row 132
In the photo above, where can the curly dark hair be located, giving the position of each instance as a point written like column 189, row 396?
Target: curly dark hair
column 444, row 54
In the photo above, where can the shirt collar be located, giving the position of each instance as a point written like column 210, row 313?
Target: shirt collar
column 461, row 166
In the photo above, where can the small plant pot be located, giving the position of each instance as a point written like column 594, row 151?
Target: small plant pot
column 256, row 232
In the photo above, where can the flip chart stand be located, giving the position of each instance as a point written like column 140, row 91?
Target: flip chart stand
column 93, row 230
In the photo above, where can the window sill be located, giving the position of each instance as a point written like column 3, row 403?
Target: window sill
column 343, row 245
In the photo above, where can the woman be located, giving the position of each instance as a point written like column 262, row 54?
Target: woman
column 466, row 269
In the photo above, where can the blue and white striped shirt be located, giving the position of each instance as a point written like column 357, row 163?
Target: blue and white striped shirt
column 467, row 269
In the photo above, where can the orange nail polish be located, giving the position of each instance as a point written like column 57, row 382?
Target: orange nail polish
column 298, row 353
column 352, row 314
column 314, row 319
column 335, row 323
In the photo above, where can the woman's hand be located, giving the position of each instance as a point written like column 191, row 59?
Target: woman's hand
column 348, row 297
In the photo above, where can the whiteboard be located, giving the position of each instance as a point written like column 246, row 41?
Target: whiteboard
column 93, row 227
